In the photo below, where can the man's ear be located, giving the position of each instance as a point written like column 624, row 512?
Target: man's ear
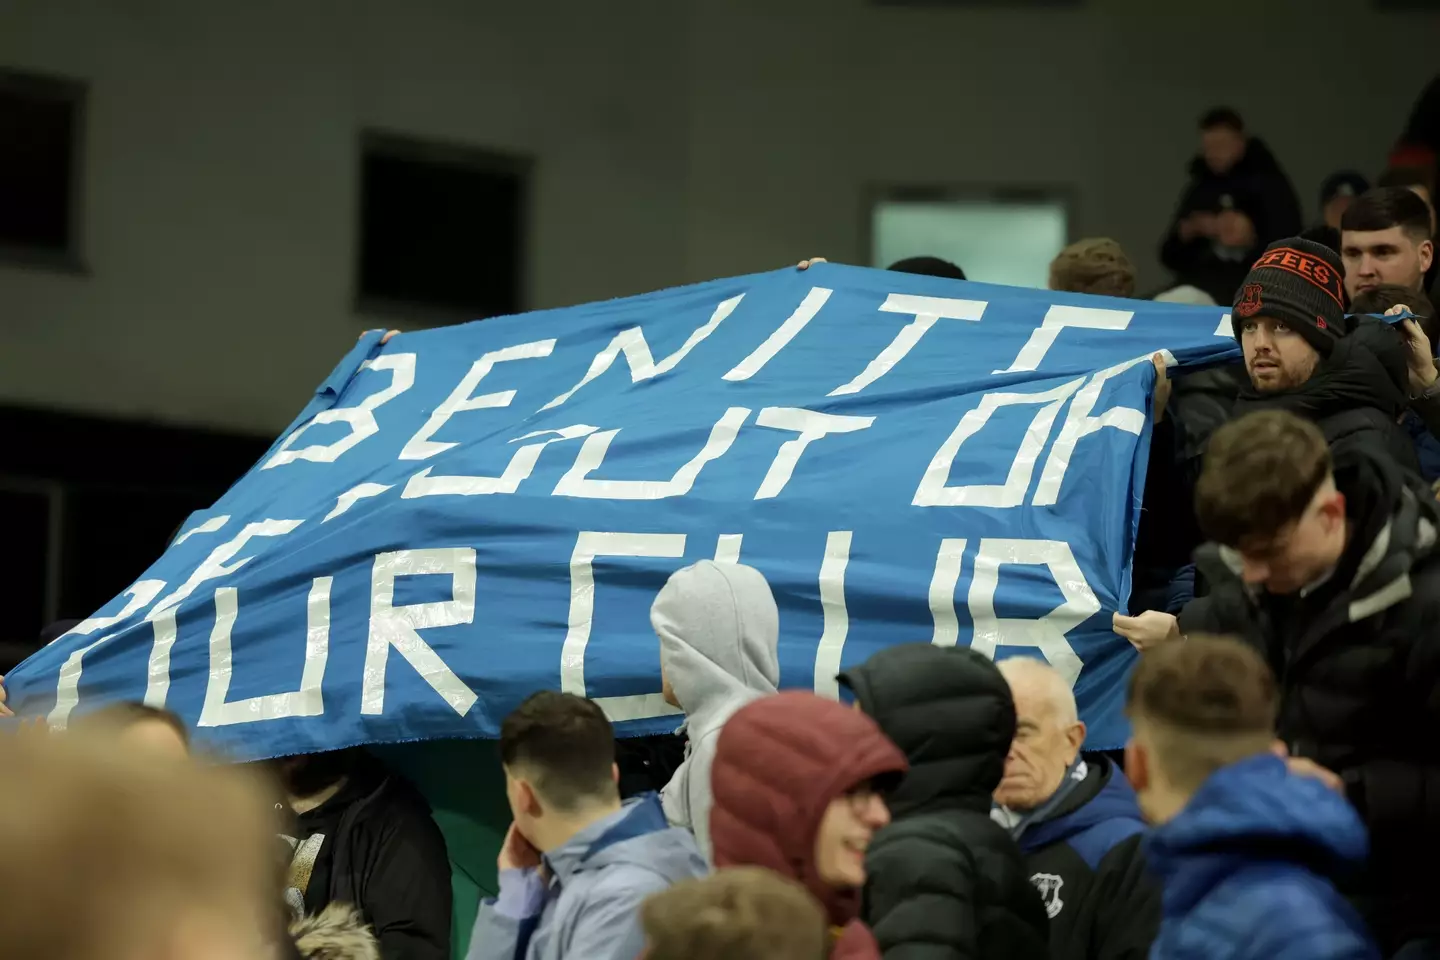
column 1137, row 765
column 1427, row 255
column 615, row 772
column 527, row 799
column 1075, row 734
column 1334, row 508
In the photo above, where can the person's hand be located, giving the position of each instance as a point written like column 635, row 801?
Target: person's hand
column 517, row 853
column 1207, row 224
column 1305, row 767
column 1147, row 630
column 807, row 264
column 1189, row 227
column 1162, row 387
column 383, row 340
column 4, row 710
column 1419, row 355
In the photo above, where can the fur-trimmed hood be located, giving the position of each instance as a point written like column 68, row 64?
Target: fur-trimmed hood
column 336, row 933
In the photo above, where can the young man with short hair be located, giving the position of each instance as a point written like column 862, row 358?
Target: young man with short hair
column 577, row 863
column 1385, row 237
column 1246, row 850
column 1327, row 565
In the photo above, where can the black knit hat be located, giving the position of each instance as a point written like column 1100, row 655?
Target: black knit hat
column 1300, row 283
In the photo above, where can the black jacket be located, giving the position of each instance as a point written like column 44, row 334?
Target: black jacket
column 1358, row 662
column 1356, row 396
column 1087, row 860
column 1275, row 209
column 945, row 882
column 383, row 854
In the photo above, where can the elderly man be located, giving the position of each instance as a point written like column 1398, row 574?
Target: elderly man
column 1077, row 823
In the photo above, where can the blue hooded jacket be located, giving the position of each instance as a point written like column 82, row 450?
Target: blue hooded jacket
column 1246, row 868
column 590, row 905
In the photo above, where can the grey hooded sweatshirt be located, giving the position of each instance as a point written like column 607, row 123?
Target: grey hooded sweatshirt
column 718, row 629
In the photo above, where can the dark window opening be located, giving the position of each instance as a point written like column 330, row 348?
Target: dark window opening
column 442, row 228
column 40, row 123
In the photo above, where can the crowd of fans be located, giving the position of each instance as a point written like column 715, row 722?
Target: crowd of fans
column 1279, row 797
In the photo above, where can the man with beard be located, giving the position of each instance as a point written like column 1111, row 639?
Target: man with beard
column 1289, row 317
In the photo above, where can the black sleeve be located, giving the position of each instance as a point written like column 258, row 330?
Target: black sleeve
column 1128, row 914
column 1199, row 616
column 920, row 897
column 407, row 896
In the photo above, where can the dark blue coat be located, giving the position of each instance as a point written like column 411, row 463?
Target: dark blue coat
column 1247, row 867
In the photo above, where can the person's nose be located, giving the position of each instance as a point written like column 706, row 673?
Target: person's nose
column 1253, row 571
column 1264, row 339
column 1369, row 266
column 877, row 814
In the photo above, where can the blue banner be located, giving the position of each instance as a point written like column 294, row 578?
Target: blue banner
column 465, row 515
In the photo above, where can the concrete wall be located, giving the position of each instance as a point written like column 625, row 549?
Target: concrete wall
column 674, row 141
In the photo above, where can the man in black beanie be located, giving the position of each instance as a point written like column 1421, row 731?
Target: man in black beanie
column 1303, row 355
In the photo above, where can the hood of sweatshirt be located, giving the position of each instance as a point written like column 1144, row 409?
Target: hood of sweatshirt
column 719, row 630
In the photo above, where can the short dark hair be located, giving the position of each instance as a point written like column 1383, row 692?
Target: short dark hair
column 1207, row 701
column 1386, row 207
column 927, row 267
column 1261, row 472
column 1387, row 295
column 125, row 713
column 562, row 744
column 1221, row 117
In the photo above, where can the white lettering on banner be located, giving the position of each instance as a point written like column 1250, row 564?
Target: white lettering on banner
column 575, row 483
column 782, row 336
column 521, row 465
column 589, row 545
column 421, row 447
column 1226, row 327
column 811, row 426
column 925, row 310
column 209, row 526
column 361, row 417
column 354, row 495
column 157, row 671
column 308, row 701
column 140, row 593
column 933, row 490
column 399, row 627
column 942, row 591
column 1057, row 318
column 1079, row 424
column 213, row 567
column 837, row 617
column 637, row 354
column 1047, row 633
column 67, row 687
column 727, row 547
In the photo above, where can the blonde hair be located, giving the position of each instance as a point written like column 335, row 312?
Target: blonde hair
column 740, row 913
column 116, row 853
column 1097, row 266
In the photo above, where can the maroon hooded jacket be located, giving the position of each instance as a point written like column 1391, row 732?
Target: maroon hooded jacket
column 779, row 762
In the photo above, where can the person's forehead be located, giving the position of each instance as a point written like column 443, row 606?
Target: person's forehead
column 1372, row 238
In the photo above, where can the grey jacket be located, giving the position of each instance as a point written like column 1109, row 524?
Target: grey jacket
column 590, row 905
column 719, row 629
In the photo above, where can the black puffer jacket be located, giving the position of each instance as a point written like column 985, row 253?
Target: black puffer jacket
column 944, row 880
column 1356, row 396
column 1358, row 660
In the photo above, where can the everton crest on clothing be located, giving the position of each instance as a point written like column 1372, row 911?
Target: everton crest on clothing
column 1084, row 855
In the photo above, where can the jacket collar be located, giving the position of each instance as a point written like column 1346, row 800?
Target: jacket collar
column 638, row 817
